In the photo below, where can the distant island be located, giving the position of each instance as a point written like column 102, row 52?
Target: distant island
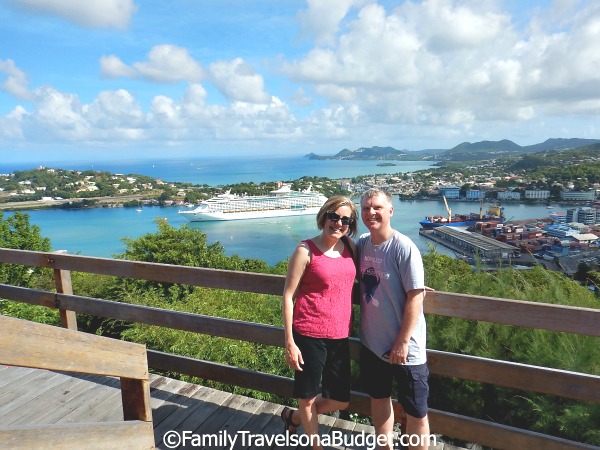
column 466, row 151
column 373, row 153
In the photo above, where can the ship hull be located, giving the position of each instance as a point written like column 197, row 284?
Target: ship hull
column 495, row 214
column 199, row 216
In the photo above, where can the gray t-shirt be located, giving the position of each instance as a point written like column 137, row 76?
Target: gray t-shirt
column 388, row 271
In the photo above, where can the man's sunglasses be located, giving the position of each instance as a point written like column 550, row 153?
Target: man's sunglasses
column 335, row 217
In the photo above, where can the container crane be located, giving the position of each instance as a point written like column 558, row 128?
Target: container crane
column 447, row 209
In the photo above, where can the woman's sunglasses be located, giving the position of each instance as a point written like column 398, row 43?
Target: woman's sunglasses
column 335, row 217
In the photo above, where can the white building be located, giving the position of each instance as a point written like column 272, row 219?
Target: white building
column 537, row 194
column 585, row 215
column 475, row 194
column 560, row 231
column 586, row 238
column 450, row 192
column 578, row 195
column 509, row 195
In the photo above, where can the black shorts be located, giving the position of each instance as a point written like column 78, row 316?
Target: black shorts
column 413, row 387
column 326, row 368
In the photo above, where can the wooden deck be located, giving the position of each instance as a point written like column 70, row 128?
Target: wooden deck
column 34, row 396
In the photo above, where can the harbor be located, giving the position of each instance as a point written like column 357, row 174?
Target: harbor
column 465, row 243
column 548, row 241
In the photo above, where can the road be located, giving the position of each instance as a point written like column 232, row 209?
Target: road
column 38, row 204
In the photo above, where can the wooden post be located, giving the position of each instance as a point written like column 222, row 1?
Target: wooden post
column 135, row 395
column 62, row 279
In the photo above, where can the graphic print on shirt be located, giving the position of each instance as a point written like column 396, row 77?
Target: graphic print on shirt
column 370, row 281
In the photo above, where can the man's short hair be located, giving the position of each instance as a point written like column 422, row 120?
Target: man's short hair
column 374, row 192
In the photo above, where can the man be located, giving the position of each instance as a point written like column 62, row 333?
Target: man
column 392, row 324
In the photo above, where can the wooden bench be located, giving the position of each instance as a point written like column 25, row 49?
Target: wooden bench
column 29, row 344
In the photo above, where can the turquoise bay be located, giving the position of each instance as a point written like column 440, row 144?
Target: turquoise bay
column 99, row 231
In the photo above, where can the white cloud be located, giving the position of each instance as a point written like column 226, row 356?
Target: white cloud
column 11, row 126
column 194, row 100
column 58, row 114
column 166, row 64
column 432, row 69
column 169, row 63
column 115, row 109
column 445, row 62
column 90, row 14
column 112, row 67
column 377, row 52
column 16, row 80
column 322, row 19
column 165, row 112
column 238, row 81
column 116, row 116
column 448, row 26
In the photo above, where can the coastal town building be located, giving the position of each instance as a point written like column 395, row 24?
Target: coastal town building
column 468, row 243
column 578, row 195
column 450, row 192
column 475, row 194
column 536, row 194
column 560, row 231
column 585, row 238
column 586, row 215
column 509, row 195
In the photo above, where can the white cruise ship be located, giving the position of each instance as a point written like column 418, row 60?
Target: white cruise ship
column 282, row 202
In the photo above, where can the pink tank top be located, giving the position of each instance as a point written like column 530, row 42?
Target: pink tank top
column 323, row 307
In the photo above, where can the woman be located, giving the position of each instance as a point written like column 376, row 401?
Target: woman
column 317, row 310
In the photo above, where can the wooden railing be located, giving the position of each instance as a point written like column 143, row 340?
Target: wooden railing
column 571, row 385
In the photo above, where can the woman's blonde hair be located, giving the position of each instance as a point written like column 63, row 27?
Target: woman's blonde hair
column 334, row 203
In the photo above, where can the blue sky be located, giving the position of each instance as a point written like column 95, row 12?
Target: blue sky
column 117, row 79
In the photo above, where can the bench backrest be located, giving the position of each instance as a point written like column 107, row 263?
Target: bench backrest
column 29, row 344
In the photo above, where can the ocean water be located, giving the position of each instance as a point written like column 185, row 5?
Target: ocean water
column 230, row 170
column 98, row 231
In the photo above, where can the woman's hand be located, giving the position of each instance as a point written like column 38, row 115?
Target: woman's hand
column 293, row 356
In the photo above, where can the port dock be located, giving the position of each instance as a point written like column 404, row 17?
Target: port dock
column 465, row 243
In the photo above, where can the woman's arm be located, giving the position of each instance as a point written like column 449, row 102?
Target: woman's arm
column 296, row 266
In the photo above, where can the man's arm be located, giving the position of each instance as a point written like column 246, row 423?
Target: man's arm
column 412, row 312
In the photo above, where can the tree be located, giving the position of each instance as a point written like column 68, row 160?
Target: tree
column 192, row 197
column 182, row 246
column 16, row 232
column 563, row 351
column 465, row 188
column 582, row 272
